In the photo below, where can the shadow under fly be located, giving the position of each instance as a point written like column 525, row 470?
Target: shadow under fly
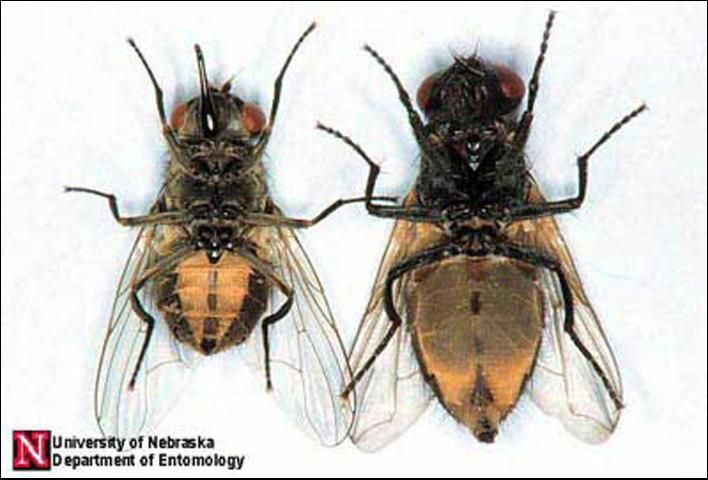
column 477, row 299
column 213, row 260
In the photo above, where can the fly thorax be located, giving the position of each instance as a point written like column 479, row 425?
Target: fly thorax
column 215, row 240
column 249, row 190
column 442, row 182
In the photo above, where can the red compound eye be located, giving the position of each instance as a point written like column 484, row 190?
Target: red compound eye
column 425, row 90
column 511, row 85
column 252, row 118
column 177, row 117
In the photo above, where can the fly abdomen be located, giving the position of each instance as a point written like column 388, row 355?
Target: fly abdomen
column 475, row 302
column 220, row 303
column 477, row 326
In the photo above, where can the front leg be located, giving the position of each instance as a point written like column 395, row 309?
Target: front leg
column 277, row 89
column 414, row 119
column 522, row 131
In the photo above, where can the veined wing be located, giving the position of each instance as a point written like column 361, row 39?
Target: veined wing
column 565, row 383
column 122, row 411
column 393, row 393
column 309, row 367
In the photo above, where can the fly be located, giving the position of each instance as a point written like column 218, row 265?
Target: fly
column 216, row 267
column 477, row 299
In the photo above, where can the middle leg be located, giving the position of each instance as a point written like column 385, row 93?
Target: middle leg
column 149, row 219
column 525, row 212
column 413, row 214
column 268, row 219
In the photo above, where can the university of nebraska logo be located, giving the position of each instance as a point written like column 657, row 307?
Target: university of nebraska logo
column 31, row 449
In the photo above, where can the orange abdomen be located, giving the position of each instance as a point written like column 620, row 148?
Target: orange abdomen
column 213, row 306
column 477, row 325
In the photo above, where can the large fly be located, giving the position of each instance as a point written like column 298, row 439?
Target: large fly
column 477, row 299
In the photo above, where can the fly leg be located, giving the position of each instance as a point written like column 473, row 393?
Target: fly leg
column 151, row 218
column 268, row 272
column 525, row 212
column 426, row 257
column 278, row 88
column 167, row 130
column 522, row 131
column 155, row 271
column 267, row 322
column 413, row 214
column 533, row 256
column 267, row 219
column 413, row 118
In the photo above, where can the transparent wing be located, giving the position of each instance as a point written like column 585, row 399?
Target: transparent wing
column 119, row 410
column 564, row 383
column 393, row 394
column 309, row 367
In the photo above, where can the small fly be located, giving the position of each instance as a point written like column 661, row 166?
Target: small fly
column 477, row 299
column 216, row 265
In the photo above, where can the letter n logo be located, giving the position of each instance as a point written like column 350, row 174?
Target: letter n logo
column 31, row 449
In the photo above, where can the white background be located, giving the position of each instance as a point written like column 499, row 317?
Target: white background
column 77, row 108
